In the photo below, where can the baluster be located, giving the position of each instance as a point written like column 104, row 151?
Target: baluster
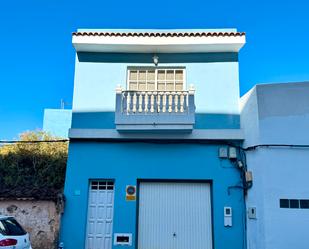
column 134, row 102
column 146, row 102
column 152, row 102
column 164, row 102
column 182, row 100
column 176, row 102
column 170, row 102
column 128, row 102
column 159, row 102
column 140, row 102
column 186, row 105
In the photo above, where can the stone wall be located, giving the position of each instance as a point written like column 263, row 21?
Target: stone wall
column 39, row 218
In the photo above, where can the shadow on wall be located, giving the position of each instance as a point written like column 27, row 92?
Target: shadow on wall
column 164, row 58
column 106, row 120
column 39, row 218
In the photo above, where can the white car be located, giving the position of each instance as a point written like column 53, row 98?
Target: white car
column 12, row 235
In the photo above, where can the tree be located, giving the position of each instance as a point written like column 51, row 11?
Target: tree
column 33, row 170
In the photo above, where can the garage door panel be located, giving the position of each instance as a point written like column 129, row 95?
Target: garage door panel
column 174, row 215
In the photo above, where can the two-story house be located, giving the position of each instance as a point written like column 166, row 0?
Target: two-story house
column 153, row 157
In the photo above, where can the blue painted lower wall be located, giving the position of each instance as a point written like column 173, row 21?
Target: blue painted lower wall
column 125, row 163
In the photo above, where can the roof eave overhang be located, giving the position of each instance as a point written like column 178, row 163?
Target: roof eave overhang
column 158, row 44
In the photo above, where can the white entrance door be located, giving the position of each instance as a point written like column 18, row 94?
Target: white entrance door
column 100, row 215
column 174, row 216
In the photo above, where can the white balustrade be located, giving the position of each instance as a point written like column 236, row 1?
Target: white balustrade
column 155, row 102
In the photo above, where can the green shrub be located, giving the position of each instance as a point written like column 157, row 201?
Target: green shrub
column 33, row 170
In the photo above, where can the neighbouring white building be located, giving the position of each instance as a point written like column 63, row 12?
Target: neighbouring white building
column 275, row 119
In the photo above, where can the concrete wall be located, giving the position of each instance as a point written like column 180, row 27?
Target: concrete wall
column 127, row 162
column 57, row 122
column 39, row 218
column 277, row 114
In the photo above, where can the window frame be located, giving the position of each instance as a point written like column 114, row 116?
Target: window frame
column 156, row 69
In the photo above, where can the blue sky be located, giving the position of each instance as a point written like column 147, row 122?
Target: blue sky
column 37, row 58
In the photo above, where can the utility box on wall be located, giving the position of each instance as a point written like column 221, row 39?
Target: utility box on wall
column 122, row 239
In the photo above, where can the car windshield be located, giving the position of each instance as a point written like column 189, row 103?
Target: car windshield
column 11, row 227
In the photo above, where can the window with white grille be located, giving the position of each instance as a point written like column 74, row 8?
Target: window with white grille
column 102, row 185
column 156, row 79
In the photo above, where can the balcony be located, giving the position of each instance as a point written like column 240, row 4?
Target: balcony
column 155, row 110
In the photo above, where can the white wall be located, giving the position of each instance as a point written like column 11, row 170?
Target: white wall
column 249, row 117
column 278, row 174
column 276, row 114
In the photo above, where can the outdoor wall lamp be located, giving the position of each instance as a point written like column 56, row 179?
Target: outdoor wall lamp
column 155, row 59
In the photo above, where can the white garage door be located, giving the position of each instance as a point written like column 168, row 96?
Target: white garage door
column 100, row 215
column 174, row 216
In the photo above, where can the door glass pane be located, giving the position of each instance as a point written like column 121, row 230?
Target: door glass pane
column 179, row 75
column 151, row 86
column 170, row 75
column 133, row 86
column 161, row 86
column 142, row 75
column 170, row 86
column 151, row 76
column 133, row 75
column 179, row 86
column 142, row 86
column 161, row 74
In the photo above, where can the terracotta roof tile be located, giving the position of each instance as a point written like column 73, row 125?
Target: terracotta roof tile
column 160, row 34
